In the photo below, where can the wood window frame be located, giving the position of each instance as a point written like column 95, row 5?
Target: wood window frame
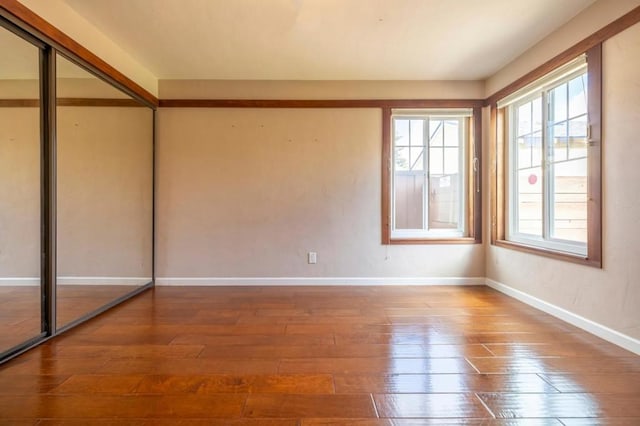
column 499, row 163
column 497, row 172
column 473, row 185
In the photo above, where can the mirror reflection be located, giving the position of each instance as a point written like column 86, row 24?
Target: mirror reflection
column 20, row 283
column 104, row 193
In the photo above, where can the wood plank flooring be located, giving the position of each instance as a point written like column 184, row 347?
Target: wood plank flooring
column 20, row 308
column 367, row 356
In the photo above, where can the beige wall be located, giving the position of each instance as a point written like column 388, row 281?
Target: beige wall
column 19, row 89
column 19, row 192
column 19, row 172
column 90, row 87
column 104, row 191
column 248, row 192
column 609, row 296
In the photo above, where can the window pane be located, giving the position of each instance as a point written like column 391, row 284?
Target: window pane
column 401, row 132
column 545, row 180
column 417, row 133
column 524, row 119
column 559, row 141
column 578, row 96
column 524, row 153
column 451, row 132
column 417, row 159
column 444, row 202
column 530, row 151
column 578, row 137
column 408, row 201
column 436, row 132
column 570, row 201
column 536, row 149
column 401, row 159
column 436, row 161
column 451, row 161
column 529, row 196
column 427, row 150
column 536, row 106
column 558, row 108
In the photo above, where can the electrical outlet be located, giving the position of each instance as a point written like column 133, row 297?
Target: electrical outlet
column 312, row 257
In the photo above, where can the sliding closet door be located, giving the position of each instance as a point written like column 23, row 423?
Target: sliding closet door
column 104, row 194
column 20, row 195
column 76, row 187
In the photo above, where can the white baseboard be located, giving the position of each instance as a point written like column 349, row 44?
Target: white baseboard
column 19, row 282
column 317, row 281
column 33, row 282
column 627, row 342
column 130, row 281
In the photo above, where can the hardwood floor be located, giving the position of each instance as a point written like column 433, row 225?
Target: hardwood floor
column 20, row 308
column 19, row 315
column 367, row 356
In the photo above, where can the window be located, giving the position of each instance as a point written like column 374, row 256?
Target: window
column 432, row 175
column 550, row 158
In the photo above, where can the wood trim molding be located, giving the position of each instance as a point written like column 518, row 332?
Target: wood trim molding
column 386, row 176
column 476, row 208
column 19, row 103
column 321, row 103
column 547, row 253
column 608, row 31
column 99, row 102
column 594, row 156
column 21, row 15
column 498, row 158
column 81, row 102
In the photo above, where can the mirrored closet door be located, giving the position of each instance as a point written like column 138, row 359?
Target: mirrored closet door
column 20, row 196
column 76, row 189
column 104, row 193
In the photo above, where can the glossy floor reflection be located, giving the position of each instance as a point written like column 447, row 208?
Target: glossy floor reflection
column 323, row 356
column 19, row 315
column 20, row 307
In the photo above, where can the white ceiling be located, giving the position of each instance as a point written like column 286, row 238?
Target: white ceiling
column 326, row 39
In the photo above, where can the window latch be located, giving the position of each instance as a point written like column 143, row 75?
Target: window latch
column 589, row 133
column 590, row 140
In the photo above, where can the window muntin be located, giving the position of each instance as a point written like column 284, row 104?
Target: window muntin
column 547, row 167
column 428, row 173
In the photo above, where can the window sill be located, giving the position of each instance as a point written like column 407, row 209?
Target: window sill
column 452, row 240
column 558, row 255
